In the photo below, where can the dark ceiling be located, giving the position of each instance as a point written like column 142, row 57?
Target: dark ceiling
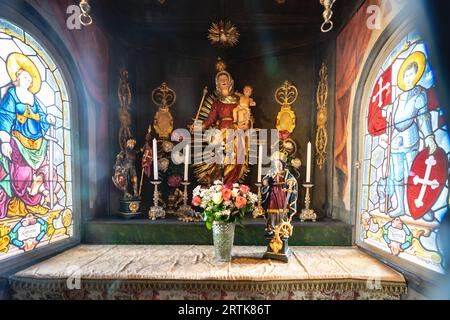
column 266, row 26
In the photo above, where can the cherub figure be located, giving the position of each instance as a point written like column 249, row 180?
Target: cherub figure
column 242, row 115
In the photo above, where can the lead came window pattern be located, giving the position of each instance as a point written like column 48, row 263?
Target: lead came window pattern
column 35, row 142
column 405, row 184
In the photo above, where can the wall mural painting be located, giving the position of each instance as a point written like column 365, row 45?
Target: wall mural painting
column 35, row 139
column 405, row 187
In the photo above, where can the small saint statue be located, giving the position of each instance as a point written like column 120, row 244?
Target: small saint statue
column 125, row 179
column 279, row 200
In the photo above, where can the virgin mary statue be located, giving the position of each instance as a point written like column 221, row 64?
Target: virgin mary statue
column 217, row 112
column 24, row 178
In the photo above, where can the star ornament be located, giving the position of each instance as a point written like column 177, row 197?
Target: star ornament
column 223, row 34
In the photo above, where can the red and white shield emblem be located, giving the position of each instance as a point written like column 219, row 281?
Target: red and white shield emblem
column 426, row 181
column 380, row 98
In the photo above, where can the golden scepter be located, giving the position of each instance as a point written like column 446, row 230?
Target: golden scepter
column 205, row 92
column 145, row 157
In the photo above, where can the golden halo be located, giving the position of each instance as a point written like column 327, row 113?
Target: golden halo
column 421, row 61
column 17, row 61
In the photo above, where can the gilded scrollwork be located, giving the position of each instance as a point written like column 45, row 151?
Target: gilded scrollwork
column 322, row 113
column 164, row 97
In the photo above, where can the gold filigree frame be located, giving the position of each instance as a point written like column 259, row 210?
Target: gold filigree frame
column 322, row 114
column 286, row 95
column 164, row 97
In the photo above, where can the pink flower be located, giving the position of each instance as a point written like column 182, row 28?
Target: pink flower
column 244, row 189
column 196, row 201
column 240, row 202
column 226, row 194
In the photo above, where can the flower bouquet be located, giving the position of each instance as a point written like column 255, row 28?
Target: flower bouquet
column 223, row 208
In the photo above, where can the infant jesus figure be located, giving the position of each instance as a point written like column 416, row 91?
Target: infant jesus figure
column 242, row 115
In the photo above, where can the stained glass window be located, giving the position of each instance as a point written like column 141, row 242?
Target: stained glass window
column 35, row 146
column 405, row 187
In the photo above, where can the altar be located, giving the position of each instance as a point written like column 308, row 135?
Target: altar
column 190, row 272
column 221, row 150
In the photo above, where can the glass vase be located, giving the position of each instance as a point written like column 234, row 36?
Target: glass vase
column 223, row 236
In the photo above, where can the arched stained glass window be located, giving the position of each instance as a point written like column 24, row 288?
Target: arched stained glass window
column 404, row 187
column 35, row 146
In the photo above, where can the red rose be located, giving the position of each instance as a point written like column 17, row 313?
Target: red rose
column 226, row 194
column 283, row 135
column 244, row 189
column 240, row 202
column 196, row 201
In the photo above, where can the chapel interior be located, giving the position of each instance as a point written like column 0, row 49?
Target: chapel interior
column 98, row 96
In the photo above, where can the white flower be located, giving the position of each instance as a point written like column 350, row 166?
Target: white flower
column 218, row 182
column 236, row 185
column 217, row 198
column 225, row 213
column 235, row 192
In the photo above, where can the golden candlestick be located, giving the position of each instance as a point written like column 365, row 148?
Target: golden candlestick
column 308, row 213
column 259, row 210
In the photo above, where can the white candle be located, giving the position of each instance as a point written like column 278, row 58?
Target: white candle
column 187, row 151
column 260, row 155
column 308, row 164
column 155, row 161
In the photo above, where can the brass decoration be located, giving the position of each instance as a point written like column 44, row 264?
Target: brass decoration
column 322, row 135
column 124, row 94
column 286, row 95
column 85, row 17
column 164, row 97
column 223, row 34
column 134, row 206
column 308, row 213
column 282, row 231
column 327, row 25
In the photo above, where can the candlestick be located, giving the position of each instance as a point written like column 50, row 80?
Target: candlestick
column 155, row 160
column 156, row 211
column 185, row 211
column 259, row 210
column 308, row 164
column 260, row 155
column 187, row 155
column 308, row 213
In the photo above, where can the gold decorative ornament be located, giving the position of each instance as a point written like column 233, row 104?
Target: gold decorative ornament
column 16, row 63
column 134, row 206
column 322, row 113
column 85, row 17
column 124, row 95
column 282, row 231
column 286, row 95
column 223, row 34
column 327, row 25
column 288, row 146
column 164, row 97
column 416, row 60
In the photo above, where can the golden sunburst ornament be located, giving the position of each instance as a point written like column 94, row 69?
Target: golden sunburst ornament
column 223, row 34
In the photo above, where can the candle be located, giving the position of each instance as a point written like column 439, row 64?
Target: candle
column 187, row 151
column 155, row 161
column 260, row 155
column 308, row 164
